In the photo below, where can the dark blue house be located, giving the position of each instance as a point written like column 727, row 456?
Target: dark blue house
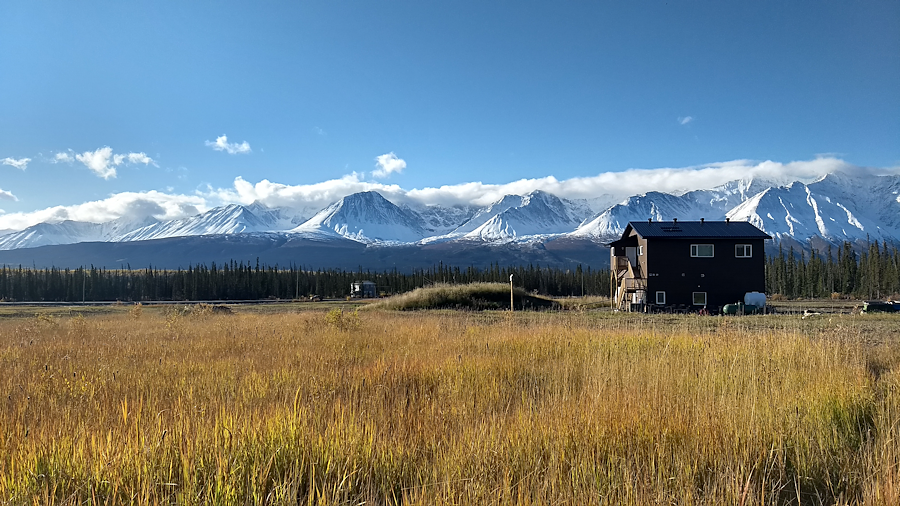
column 686, row 265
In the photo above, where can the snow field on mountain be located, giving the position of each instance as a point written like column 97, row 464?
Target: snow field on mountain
column 838, row 207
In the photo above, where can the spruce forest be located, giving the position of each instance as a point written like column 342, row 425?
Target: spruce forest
column 872, row 273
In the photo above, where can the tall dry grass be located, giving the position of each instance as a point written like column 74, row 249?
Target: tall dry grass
column 446, row 408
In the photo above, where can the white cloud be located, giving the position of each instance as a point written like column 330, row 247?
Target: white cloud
column 685, row 120
column 136, row 205
column 132, row 158
column 232, row 148
column 20, row 163
column 608, row 187
column 99, row 162
column 388, row 164
column 316, row 195
column 5, row 195
column 66, row 157
column 103, row 162
column 615, row 186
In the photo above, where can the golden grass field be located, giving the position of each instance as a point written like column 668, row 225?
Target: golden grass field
column 157, row 406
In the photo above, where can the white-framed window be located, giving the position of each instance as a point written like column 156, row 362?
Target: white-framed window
column 661, row 298
column 699, row 298
column 702, row 250
column 743, row 250
column 640, row 250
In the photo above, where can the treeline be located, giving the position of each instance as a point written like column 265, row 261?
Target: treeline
column 873, row 273
column 240, row 281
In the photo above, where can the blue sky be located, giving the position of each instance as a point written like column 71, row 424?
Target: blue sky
column 310, row 94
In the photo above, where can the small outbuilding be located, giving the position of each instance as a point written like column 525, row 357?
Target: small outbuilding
column 363, row 290
column 686, row 265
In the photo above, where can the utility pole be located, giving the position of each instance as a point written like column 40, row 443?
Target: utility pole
column 510, row 293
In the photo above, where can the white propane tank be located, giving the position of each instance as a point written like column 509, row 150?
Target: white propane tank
column 755, row 299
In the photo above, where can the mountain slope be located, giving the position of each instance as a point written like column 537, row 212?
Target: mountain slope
column 366, row 217
column 537, row 213
column 653, row 205
column 837, row 208
column 482, row 216
column 228, row 219
column 439, row 220
column 70, row 232
column 43, row 234
column 287, row 249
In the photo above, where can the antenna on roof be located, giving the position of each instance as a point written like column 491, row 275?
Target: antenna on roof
column 649, row 220
column 701, row 220
column 674, row 220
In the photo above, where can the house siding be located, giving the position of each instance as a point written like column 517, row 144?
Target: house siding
column 725, row 278
column 643, row 244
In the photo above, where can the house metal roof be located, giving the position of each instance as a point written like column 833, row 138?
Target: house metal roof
column 696, row 230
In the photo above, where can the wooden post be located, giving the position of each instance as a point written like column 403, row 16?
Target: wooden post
column 510, row 292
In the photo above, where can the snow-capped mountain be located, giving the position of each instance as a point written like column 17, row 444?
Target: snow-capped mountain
column 42, row 234
column 838, row 207
column 230, row 219
column 71, row 232
column 729, row 195
column 537, row 213
column 654, row 205
column 711, row 204
column 440, row 220
column 518, row 217
column 366, row 217
column 482, row 216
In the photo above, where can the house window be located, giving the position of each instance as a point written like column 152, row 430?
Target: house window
column 661, row 298
column 699, row 298
column 743, row 250
column 640, row 250
column 702, row 250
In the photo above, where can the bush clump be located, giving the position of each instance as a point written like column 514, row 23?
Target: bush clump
column 474, row 296
column 339, row 320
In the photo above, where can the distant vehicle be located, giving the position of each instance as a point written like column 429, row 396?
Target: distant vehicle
column 363, row 290
column 880, row 306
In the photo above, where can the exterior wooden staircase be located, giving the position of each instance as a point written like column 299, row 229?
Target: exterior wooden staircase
column 628, row 280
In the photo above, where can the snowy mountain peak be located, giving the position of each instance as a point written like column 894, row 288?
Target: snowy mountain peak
column 538, row 213
column 45, row 234
column 228, row 219
column 366, row 217
column 539, row 195
column 841, row 206
column 837, row 208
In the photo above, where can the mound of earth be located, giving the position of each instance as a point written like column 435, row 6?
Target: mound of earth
column 475, row 296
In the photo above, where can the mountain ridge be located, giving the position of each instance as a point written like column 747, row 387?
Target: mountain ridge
column 835, row 208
